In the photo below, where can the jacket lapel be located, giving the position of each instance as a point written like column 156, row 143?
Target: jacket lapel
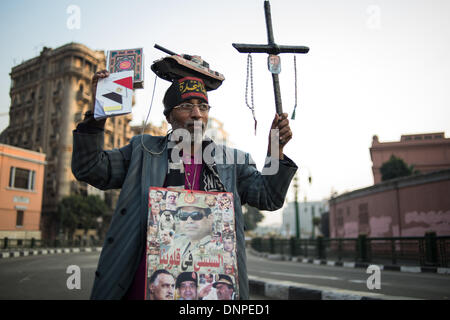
column 154, row 170
column 223, row 169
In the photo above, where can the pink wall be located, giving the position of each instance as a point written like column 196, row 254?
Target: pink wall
column 426, row 208
column 425, row 155
column 421, row 205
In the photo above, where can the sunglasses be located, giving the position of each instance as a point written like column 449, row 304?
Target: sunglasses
column 196, row 216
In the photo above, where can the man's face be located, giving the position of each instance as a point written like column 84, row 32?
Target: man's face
column 228, row 245
column 172, row 198
column 156, row 208
column 164, row 289
column 167, row 215
column 188, row 290
column 210, row 201
column 153, row 229
column 225, row 202
column 274, row 59
column 223, row 292
column 165, row 237
column 159, row 196
column 185, row 120
column 194, row 223
column 208, row 278
column 228, row 269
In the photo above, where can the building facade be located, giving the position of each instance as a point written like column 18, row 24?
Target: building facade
column 150, row 129
column 21, row 184
column 427, row 152
column 216, row 131
column 307, row 212
column 403, row 207
column 49, row 95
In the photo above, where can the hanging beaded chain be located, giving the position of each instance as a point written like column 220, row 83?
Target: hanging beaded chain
column 295, row 73
column 250, row 75
column 144, row 124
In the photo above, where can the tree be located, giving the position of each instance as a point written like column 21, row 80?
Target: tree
column 251, row 217
column 79, row 212
column 394, row 168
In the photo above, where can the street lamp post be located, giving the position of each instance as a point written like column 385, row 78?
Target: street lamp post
column 297, row 217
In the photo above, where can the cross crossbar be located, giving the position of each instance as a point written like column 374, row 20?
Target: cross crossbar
column 273, row 49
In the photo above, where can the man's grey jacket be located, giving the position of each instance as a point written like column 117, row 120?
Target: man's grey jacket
column 134, row 170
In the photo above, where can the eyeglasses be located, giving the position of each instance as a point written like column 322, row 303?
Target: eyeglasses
column 188, row 107
column 196, row 216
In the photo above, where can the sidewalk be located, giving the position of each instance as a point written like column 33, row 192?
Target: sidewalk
column 287, row 290
column 23, row 252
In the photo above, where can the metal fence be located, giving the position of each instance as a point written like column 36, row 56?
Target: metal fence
column 7, row 243
column 425, row 251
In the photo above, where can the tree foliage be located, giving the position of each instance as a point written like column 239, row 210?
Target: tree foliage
column 395, row 168
column 80, row 212
column 251, row 217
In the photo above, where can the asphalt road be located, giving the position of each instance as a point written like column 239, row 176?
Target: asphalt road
column 44, row 277
column 393, row 283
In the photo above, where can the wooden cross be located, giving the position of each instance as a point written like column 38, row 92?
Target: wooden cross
column 271, row 48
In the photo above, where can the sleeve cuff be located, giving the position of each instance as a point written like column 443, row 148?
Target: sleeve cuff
column 86, row 128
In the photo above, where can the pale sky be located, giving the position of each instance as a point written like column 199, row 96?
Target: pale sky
column 374, row 67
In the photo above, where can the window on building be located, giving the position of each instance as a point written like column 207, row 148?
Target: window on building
column 38, row 134
column 19, row 218
column 78, row 62
column 58, row 88
column 364, row 213
column 22, row 178
column 340, row 218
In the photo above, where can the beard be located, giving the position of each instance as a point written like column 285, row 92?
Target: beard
column 195, row 130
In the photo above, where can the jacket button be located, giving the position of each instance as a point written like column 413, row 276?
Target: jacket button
column 110, row 240
column 123, row 211
column 97, row 274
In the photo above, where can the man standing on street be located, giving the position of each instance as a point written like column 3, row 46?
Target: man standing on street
column 144, row 162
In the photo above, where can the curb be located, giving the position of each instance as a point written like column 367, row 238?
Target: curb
column 286, row 290
column 414, row 269
column 34, row 252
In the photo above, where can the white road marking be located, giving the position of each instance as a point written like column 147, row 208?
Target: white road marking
column 308, row 276
column 24, row 279
column 358, row 281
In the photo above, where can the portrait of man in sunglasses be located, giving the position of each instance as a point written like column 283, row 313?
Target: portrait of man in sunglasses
column 195, row 223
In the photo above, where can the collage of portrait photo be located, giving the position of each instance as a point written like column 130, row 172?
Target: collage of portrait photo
column 191, row 246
